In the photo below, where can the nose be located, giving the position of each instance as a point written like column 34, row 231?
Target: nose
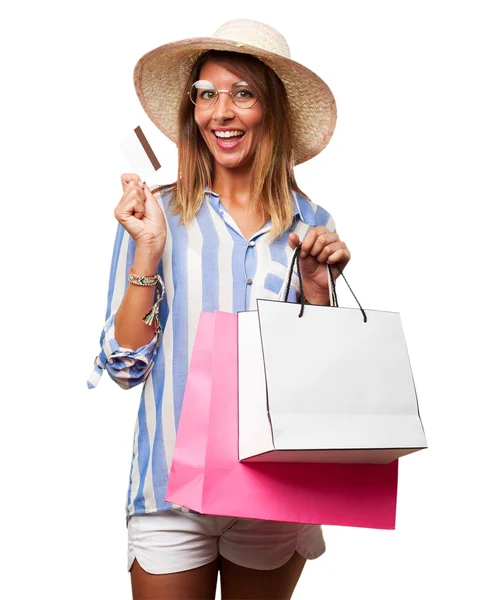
column 223, row 107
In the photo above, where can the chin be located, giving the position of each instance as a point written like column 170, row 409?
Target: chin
column 233, row 162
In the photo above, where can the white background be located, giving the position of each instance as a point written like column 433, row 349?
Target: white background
column 400, row 178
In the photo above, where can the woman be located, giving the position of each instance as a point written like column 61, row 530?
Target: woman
column 242, row 114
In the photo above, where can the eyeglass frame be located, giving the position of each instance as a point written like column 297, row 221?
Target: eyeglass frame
column 218, row 95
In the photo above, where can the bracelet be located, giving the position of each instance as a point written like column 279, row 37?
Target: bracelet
column 152, row 317
column 142, row 279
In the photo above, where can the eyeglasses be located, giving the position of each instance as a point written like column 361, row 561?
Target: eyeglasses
column 204, row 94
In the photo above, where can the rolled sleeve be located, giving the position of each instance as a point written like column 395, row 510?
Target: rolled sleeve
column 125, row 366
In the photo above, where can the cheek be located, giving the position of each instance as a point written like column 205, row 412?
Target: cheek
column 256, row 122
column 199, row 120
column 257, row 128
column 200, row 123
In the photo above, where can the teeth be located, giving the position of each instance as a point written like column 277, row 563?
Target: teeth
column 227, row 134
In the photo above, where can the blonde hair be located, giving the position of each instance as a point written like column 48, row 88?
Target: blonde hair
column 272, row 175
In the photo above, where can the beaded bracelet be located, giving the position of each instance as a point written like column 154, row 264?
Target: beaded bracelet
column 152, row 317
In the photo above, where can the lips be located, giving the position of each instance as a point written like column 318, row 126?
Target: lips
column 227, row 139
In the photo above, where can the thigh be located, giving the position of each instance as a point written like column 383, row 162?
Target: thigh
column 241, row 583
column 172, row 555
column 195, row 584
column 266, row 545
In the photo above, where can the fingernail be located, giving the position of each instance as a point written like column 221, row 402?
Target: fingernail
column 302, row 254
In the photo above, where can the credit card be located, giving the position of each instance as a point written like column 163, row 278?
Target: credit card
column 139, row 155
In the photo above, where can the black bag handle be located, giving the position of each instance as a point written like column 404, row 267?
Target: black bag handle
column 301, row 290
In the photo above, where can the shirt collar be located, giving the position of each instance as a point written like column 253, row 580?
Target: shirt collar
column 306, row 215
column 214, row 198
column 303, row 208
column 296, row 208
column 208, row 190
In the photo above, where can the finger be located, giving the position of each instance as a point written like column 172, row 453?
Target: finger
column 322, row 242
column 132, row 207
column 328, row 250
column 147, row 192
column 127, row 177
column 315, row 241
column 138, row 186
column 132, row 193
column 308, row 242
column 293, row 240
column 136, row 207
column 149, row 196
column 342, row 256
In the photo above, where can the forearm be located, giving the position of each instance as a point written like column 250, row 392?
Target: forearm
column 130, row 331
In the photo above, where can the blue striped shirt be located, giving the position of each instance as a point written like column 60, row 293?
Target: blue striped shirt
column 207, row 265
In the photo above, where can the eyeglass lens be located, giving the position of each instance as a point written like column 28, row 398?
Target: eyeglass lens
column 204, row 94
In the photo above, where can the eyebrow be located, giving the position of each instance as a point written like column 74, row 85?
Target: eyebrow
column 241, row 83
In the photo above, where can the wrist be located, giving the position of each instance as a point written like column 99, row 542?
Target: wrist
column 150, row 246
column 318, row 299
column 145, row 264
column 146, row 249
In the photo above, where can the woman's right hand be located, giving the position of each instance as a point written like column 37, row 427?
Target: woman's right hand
column 140, row 214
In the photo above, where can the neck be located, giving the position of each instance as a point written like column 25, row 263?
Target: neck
column 233, row 185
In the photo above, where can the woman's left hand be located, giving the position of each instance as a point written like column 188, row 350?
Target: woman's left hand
column 319, row 248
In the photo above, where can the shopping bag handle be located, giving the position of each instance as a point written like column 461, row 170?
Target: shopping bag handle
column 330, row 279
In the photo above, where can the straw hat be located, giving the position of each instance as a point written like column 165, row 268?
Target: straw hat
column 161, row 74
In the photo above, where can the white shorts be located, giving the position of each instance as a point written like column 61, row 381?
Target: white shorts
column 171, row 541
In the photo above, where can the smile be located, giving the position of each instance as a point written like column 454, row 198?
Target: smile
column 228, row 134
column 226, row 140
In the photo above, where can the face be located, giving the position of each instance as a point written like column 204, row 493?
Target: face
column 224, row 115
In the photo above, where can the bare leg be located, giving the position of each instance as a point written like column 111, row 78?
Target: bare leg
column 195, row 584
column 240, row 583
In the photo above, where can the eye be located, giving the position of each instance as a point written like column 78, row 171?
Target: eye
column 206, row 94
column 244, row 94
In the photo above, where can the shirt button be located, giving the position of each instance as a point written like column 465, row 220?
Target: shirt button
column 249, row 282
column 252, row 244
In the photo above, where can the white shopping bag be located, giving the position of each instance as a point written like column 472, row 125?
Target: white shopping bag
column 324, row 384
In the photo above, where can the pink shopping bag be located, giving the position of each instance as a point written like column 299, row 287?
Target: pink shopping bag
column 206, row 475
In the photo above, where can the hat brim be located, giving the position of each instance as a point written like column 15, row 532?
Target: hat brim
column 160, row 75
